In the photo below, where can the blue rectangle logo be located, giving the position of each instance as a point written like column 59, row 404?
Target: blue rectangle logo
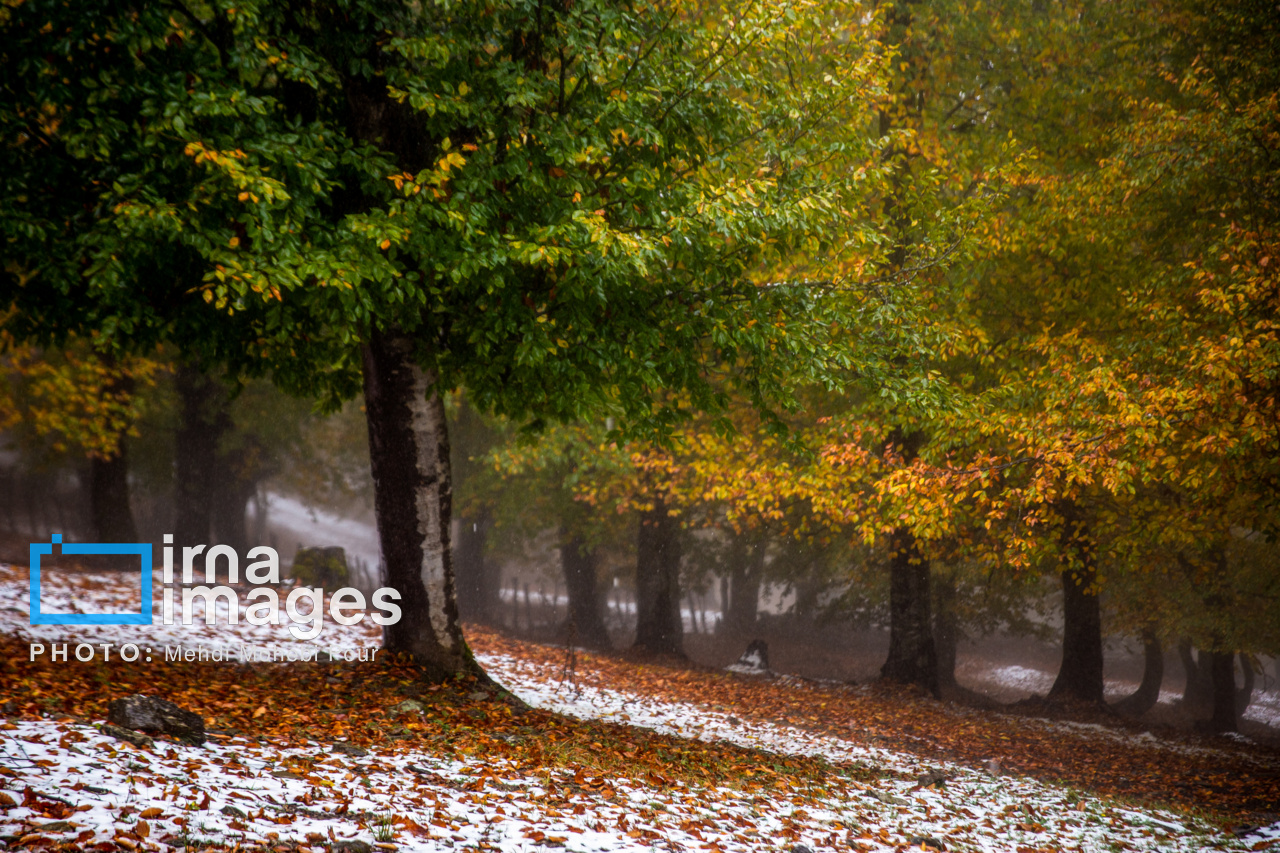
column 142, row 549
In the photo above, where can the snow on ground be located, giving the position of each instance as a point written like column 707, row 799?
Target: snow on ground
column 68, row 781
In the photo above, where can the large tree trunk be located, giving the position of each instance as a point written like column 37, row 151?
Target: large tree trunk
column 913, row 658
column 946, row 630
column 1197, row 693
column 1080, row 675
column 659, row 628
column 1222, row 666
column 1145, row 697
column 477, row 575
column 109, row 510
column 239, row 472
column 203, row 421
column 409, row 457
column 586, row 614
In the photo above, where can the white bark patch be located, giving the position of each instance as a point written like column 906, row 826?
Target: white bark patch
column 425, row 415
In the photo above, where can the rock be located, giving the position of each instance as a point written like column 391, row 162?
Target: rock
column 232, row 811
column 932, row 778
column 136, row 738
column 887, row 799
column 993, row 766
column 350, row 749
column 734, row 721
column 926, row 842
column 477, row 696
column 408, row 706
column 325, row 567
column 754, row 661
column 800, row 848
column 351, row 847
column 151, row 714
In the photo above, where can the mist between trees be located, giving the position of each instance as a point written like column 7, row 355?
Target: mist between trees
column 884, row 335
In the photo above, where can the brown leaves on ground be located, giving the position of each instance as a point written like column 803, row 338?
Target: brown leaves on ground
column 291, row 703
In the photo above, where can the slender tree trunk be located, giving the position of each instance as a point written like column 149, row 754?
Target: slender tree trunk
column 913, row 658
column 1222, row 665
column 409, row 457
column 580, row 566
column 1147, row 695
column 744, row 584
column 110, row 513
column 477, row 576
column 1245, row 694
column 203, row 421
column 658, row 625
column 1080, row 676
column 1197, row 694
column 946, row 631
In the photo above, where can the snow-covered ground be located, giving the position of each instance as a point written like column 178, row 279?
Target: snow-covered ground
column 67, row 781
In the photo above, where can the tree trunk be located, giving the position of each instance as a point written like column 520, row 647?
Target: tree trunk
column 1223, row 668
column 946, row 631
column 409, row 458
column 1080, row 675
column 913, row 658
column 1197, row 694
column 744, row 584
column 658, row 625
column 477, row 576
column 110, row 513
column 1145, row 697
column 1245, row 694
column 203, row 421
column 579, row 564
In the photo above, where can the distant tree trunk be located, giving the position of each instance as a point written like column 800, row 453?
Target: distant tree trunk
column 238, row 474
column 580, row 566
column 477, row 577
column 1197, row 695
column 110, row 513
column 745, row 576
column 203, row 420
column 1145, row 697
column 1080, row 675
column 409, row 458
column 1245, row 694
column 913, row 658
column 659, row 629
column 1222, row 666
column 946, row 631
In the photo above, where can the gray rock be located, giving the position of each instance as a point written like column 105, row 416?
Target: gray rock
column 408, row 706
column 350, row 749
column 232, row 811
column 754, row 661
column 926, row 842
column 351, row 847
column 932, row 778
column 127, row 735
column 887, row 799
column 800, row 848
column 152, row 714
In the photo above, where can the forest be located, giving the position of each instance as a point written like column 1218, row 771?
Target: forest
column 736, row 426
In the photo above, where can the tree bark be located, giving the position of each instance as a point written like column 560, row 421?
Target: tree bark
column 110, row 513
column 1080, row 675
column 913, row 658
column 1222, row 665
column 1147, row 695
column 580, row 566
column 946, row 630
column 203, row 421
column 409, row 458
column 659, row 629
